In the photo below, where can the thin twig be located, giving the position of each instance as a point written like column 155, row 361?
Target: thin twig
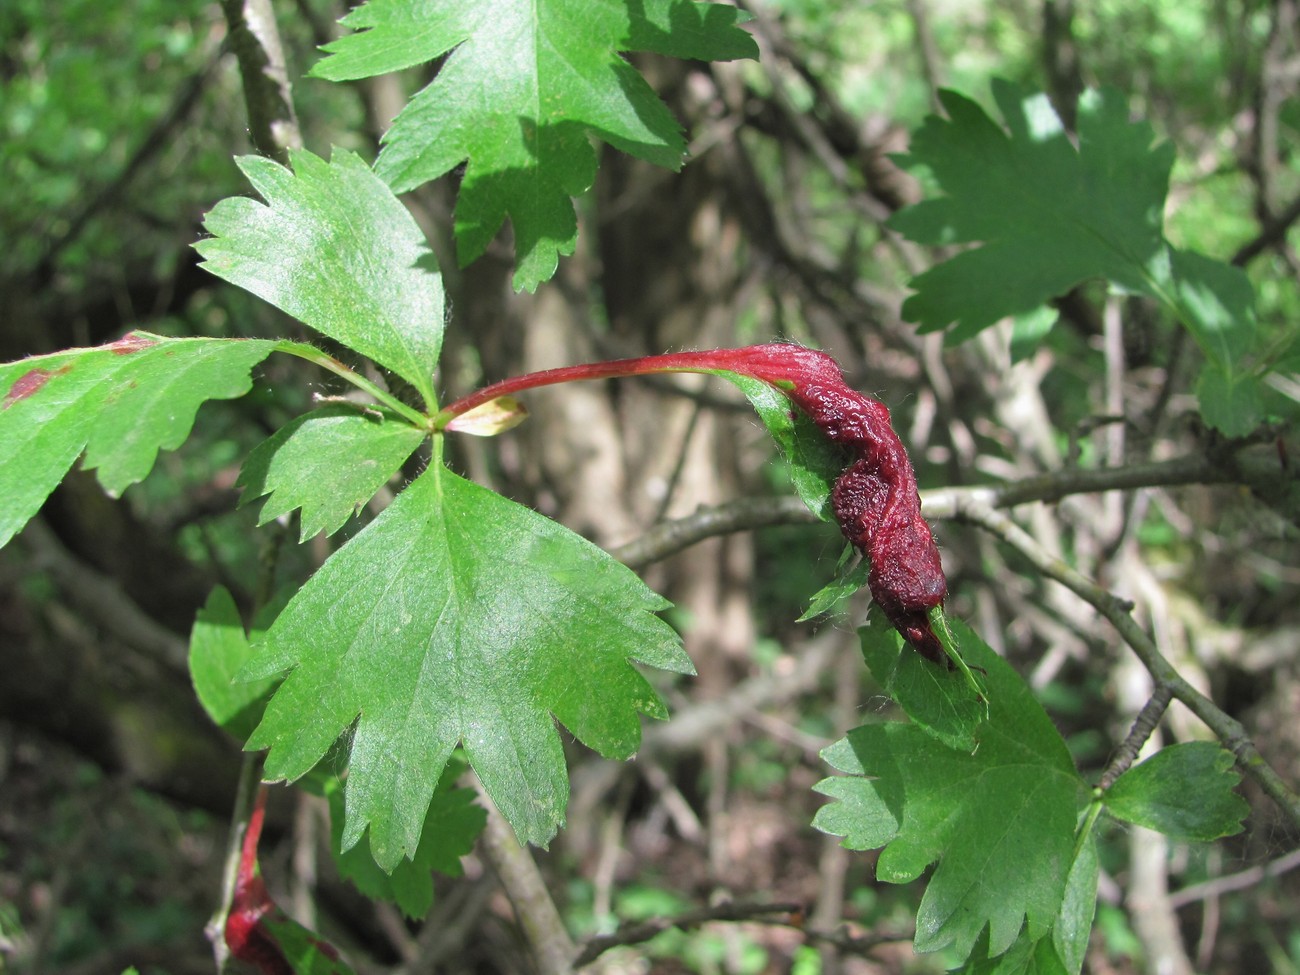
column 1235, row 881
column 638, row 932
column 1143, row 725
column 268, row 95
column 1117, row 611
column 1255, row 468
column 529, row 894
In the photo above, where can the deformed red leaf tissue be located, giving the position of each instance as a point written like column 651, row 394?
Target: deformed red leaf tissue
column 875, row 499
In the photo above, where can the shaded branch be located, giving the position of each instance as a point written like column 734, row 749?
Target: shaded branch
column 638, row 932
column 1143, row 727
column 1117, row 612
column 268, row 94
column 529, row 894
column 1235, row 881
column 102, row 599
column 1259, row 469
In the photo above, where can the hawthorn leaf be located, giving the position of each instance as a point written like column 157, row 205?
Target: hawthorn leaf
column 524, row 87
column 329, row 463
column 1048, row 216
column 1217, row 303
column 450, row 828
column 121, row 403
column 939, row 701
column 850, row 577
column 219, row 649
column 1185, row 791
column 333, row 247
column 458, row 616
column 999, row 821
column 1230, row 402
column 814, row 462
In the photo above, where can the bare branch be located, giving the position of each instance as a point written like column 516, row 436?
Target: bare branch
column 1259, row 469
column 1235, row 881
column 639, row 932
column 272, row 122
column 539, row 918
column 1117, row 611
column 1143, row 725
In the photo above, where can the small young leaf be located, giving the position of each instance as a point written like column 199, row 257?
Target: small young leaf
column 219, row 649
column 1184, row 790
column 851, row 577
column 814, row 461
column 457, row 616
column 1000, row 822
column 490, row 418
column 451, row 826
column 329, row 463
column 525, row 87
column 334, row 248
column 121, row 403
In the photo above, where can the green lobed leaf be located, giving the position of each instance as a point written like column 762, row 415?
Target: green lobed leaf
column 450, row 828
column 1184, row 790
column 219, row 649
column 121, row 403
column 1060, row 952
column 333, row 247
column 525, row 86
column 458, row 616
column 940, row 701
column 329, row 463
column 1049, row 216
column 999, row 822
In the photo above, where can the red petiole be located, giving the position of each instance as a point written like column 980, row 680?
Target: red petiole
column 875, row 499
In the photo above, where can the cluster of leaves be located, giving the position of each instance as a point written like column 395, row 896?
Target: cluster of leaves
column 523, row 90
column 1051, row 214
column 457, row 626
column 987, row 790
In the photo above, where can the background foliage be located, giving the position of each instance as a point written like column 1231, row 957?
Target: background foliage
column 119, row 126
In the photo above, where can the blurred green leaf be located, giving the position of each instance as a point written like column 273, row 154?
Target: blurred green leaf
column 451, row 826
column 1049, row 216
column 219, row 649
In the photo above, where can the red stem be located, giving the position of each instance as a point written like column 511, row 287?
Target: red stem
column 875, row 499
column 768, row 362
